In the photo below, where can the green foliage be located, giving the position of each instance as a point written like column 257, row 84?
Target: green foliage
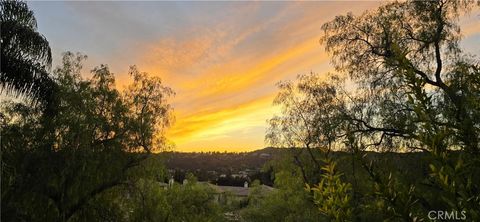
column 282, row 206
column 190, row 202
column 147, row 199
column 193, row 202
column 88, row 160
column 66, row 161
column 289, row 202
column 309, row 113
column 412, row 95
column 331, row 195
column 147, row 98
column 457, row 177
column 408, row 87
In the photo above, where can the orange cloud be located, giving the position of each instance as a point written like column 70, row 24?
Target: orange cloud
column 223, row 90
column 470, row 23
column 207, row 122
column 225, row 77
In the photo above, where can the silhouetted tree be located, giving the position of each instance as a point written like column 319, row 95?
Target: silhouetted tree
column 25, row 53
column 408, row 87
column 94, row 143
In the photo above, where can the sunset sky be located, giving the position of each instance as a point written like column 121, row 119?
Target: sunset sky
column 223, row 59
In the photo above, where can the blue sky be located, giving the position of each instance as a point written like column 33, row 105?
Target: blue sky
column 223, row 59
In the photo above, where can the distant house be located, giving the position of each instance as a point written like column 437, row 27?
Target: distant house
column 243, row 173
column 265, row 155
column 164, row 185
column 212, row 172
column 227, row 195
column 239, row 175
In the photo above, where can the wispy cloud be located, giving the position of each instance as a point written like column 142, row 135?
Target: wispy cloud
column 222, row 58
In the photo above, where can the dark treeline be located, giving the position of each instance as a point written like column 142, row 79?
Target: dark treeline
column 226, row 169
column 392, row 135
column 219, row 161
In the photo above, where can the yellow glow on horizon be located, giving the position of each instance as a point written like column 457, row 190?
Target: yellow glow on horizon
column 196, row 131
column 225, row 83
column 206, row 125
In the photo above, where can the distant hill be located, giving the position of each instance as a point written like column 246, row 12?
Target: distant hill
column 235, row 168
column 254, row 160
column 230, row 169
column 218, row 161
